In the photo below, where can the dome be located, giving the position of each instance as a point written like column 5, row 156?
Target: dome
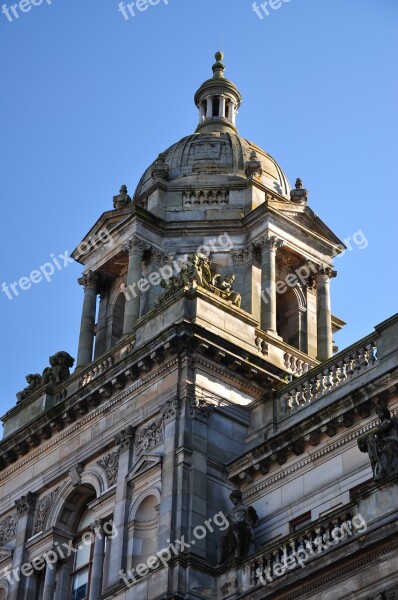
column 214, row 156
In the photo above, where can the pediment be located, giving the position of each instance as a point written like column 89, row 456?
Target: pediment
column 145, row 463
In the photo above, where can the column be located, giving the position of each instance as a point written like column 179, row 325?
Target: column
column 63, row 579
column 202, row 113
column 25, row 513
column 270, row 244
column 98, row 560
column 209, row 110
column 324, row 315
column 86, row 339
column 221, row 112
column 118, row 550
column 135, row 249
column 233, row 113
column 49, row 582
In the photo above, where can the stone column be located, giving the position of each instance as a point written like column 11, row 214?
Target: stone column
column 62, row 580
column 98, row 560
column 324, row 315
column 234, row 112
column 209, row 108
column 117, row 560
column 135, row 249
column 221, row 110
column 202, row 113
column 49, row 582
column 25, row 514
column 86, row 339
column 270, row 244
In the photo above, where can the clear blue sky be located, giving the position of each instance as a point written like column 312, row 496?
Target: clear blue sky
column 90, row 99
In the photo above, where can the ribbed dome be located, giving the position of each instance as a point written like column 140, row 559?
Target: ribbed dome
column 213, row 156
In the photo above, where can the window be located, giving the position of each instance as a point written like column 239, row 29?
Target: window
column 300, row 522
column 83, row 559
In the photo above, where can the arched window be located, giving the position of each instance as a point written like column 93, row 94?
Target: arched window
column 81, row 573
column 291, row 318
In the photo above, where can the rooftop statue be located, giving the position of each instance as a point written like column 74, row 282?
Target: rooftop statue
column 58, row 371
column 382, row 445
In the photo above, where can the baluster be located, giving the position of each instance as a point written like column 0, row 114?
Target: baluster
column 357, row 360
column 321, row 382
column 328, row 379
column 286, row 360
column 365, row 357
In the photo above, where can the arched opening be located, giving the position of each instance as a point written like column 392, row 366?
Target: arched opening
column 118, row 318
column 3, row 594
column 291, row 318
column 80, row 576
column 216, row 106
column 145, row 530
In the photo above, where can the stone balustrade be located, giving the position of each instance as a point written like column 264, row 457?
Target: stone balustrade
column 330, row 375
column 197, row 198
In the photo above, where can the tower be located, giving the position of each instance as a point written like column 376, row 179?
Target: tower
column 205, row 368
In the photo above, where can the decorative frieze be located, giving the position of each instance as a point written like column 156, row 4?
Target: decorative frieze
column 110, row 465
column 199, row 198
column 8, row 528
column 42, row 509
column 149, row 437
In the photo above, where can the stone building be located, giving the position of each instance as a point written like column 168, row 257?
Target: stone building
column 207, row 367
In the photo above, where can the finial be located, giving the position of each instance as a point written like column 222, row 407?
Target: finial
column 122, row 199
column 218, row 67
column 299, row 184
column 299, row 195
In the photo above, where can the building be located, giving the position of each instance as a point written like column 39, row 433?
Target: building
column 210, row 368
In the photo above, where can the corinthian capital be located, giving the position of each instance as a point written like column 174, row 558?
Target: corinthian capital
column 135, row 246
column 327, row 273
column 271, row 242
column 89, row 280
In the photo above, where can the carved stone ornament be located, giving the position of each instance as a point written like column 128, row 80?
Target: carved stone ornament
column 25, row 504
column 110, row 464
column 8, row 528
column 239, row 536
column 160, row 169
column 89, row 280
column 42, row 509
column 253, row 166
column 60, row 363
column 299, row 195
column 149, row 437
column 381, row 443
column 125, row 438
column 199, row 270
column 170, row 409
column 201, row 409
column 122, row 199
column 75, row 474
